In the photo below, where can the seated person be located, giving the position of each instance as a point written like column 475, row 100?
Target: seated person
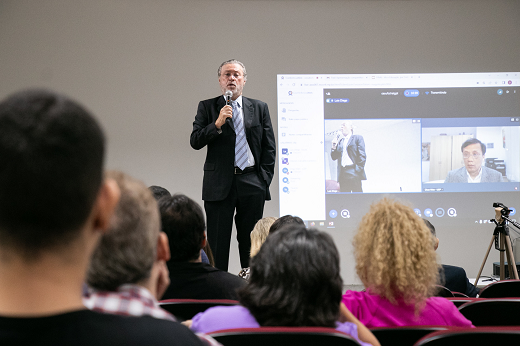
column 275, row 226
column 473, row 152
column 258, row 236
column 129, row 263
column 206, row 254
column 182, row 220
column 453, row 278
column 159, row 192
column 295, row 282
column 285, row 221
column 55, row 206
column 396, row 262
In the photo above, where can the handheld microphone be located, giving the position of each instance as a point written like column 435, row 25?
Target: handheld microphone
column 228, row 94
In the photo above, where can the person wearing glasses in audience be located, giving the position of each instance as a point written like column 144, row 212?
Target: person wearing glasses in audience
column 473, row 152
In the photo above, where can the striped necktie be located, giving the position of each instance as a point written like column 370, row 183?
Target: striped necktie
column 240, row 142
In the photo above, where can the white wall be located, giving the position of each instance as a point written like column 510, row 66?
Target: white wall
column 142, row 66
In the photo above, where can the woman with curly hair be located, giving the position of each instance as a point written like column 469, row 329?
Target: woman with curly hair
column 295, row 282
column 396, row 261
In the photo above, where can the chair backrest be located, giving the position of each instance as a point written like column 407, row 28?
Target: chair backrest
column 283, row 336
column 501, row 289
column 458, row 301
column 472, row 336
column 403, row 336
column 492, row 312
column 185, row 309
column 443, row 292
column 458, row 294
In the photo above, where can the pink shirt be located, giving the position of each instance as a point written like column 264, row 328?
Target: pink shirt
column 375, row 311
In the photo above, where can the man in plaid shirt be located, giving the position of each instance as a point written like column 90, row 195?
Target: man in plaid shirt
column 128, row 272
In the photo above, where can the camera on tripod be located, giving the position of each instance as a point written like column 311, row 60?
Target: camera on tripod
column 505, row 210
column 502, row 241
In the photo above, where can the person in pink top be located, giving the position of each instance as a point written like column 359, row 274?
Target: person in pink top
column 396, row 261
column 295, row 282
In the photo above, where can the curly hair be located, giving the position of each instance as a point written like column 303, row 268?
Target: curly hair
column 260, row 233
column 394, row 255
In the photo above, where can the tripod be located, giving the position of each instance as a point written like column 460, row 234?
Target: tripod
column 502, row 242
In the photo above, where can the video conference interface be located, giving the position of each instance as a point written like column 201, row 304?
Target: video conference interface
column 446, row 143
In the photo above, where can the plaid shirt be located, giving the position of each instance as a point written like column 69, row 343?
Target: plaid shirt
column 128, row 300
column 132, row 300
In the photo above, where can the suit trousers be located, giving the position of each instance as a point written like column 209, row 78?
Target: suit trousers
column 348, row 180
column 247, row 198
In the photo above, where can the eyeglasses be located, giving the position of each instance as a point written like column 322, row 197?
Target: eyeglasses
column 236, row 75
column 467, row 155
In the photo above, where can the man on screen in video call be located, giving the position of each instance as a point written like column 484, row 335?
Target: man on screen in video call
column 349, row 150
column 239, row 165
column 473, row 152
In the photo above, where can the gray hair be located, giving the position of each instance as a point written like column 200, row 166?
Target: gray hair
column 126, row 253
column 233, row 61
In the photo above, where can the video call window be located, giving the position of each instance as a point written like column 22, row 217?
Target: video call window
column 446, row 143
column 392, row 154
column 418, row 151
column 470, row 150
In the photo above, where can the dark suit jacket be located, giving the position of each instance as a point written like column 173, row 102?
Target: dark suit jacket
column 457, row 281
column 201, row 281
column 220, row 157
column 356, row 152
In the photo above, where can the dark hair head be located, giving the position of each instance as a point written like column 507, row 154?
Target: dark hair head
column 295, row 280
column 159, row 192
column 473, row 141
column 285, row 220
column 430, row 227
column 126, row 253
column 51, row 167
column 183, row 221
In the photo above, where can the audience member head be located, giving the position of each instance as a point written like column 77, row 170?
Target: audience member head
column 394, row 254
column 432, row 230
column 159, row 192
column 295, row 280
column 183, row 222
column 260, row 233
column 285, row 221
column 134, row 242
column 51, row 174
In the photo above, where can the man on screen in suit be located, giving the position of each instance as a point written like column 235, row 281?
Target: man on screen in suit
column 239, row 165
column 473, row 152
column 351, row 156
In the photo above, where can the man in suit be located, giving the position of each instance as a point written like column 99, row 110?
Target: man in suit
column 239, row 167
column 350, row 151
column 473, row 152
column 452, row 277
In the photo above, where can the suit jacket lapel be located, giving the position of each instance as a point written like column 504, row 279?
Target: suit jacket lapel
column 350, row 140
column 248, row 114
column 484, row 177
